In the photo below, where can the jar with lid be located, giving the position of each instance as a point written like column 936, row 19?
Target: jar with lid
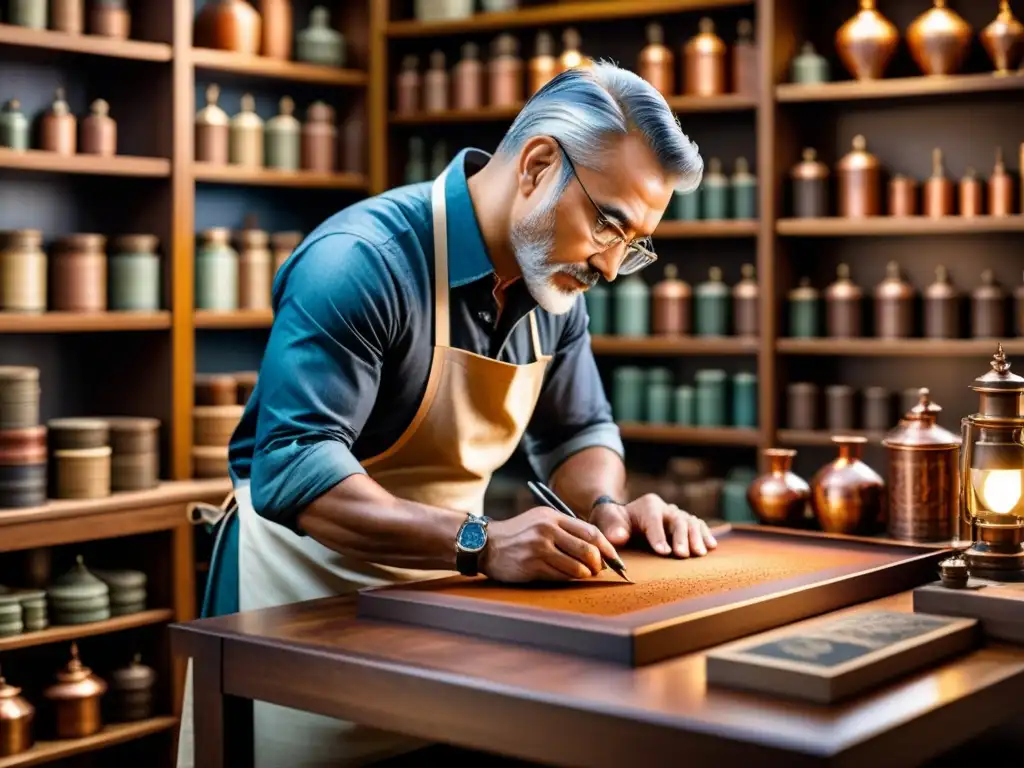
column 597, row 300
column 657, row 63
column 804, row 311
column 572, row 56
column 319, row 139
column 14, row 127
column 877, row 409
column 628, row 393
column 844, row 313
column 75, row 698
column 941, row 307
column 658, row 408
column 860, row 182
column 711, row 305
column 67, row 16
column 683, row 404
column 744, row 400
column 99, row 131
column 840, row 407
column 80, row 273
column 672, row 300
column 1000, row 188
column 58, row 128
column 283, row 244
column 135, row 274
column 745, row 303
column 131, row 689
column 23, row 271
column 894, row 305
column 246, row 132
column 211, row 130
column 715, row 192
column 810, row 186
column 744, row 60
column 988, row 308
column 319, row 43
column 743, row 186
column 216, row 271
column 632, row 306
column 408, row 86
column 543, row 65
column 802, row 406
column 711, row 398
column 255, row 269
column 685, row 206
column 110, row 18
column 704, row 62
column 416, row 162
column 436, row 84
column 505, row 73
column 938, row 189
column 971, row 195
column 16, row 717
column 28, row 13
column 809, row 67
column 283, row 138
column 902, row 195
column 468, row 79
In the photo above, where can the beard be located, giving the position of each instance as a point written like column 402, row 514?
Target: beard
column 533, row 241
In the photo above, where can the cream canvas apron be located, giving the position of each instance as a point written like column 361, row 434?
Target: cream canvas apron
column 472, row 416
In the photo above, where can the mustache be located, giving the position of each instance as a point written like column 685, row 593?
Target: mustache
column 585, row 275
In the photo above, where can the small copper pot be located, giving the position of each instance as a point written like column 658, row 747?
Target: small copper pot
column 75, row 698
column 671, row 300
column 844, row 314
column 657, row 63
column 1003, row 40
column 848, row 496
column 704, row 62
column 859, row 182
column 16, row 716
column 971, row 202
column 1000, row 189
column 99, row 131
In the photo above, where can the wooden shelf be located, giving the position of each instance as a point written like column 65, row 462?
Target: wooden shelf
column 213, row 60
column 239, row 319
column 816, row 437
column 672, row 345
column 898, row 226
column 482, row 115
column 92, row 165
column 72, row 322
column 555, row 13
column 269, row 177
column 93, row 45
column 899, row 88
column 716, row 229
column 870, row 347
column 669, row 433
column 117, row 733
column 68, row 633
column 729, row 102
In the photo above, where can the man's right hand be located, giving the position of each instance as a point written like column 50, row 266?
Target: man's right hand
column 542, row 544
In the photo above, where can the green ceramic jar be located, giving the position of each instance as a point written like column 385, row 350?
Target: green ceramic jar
column 659, row 403
column 319, row 43
column 809, row 67
column 743, row 191
column 684, row 406
column 744, row 400
column 685, row 206
column 711, row 305
column 28, row 13
column 711, row 398
column 134, row 274
column 282, row 142
column 597, row 300
column 216, row 271
column 804, row 311
column 715, row 192
column 10, row 616
column 632, row 307
column 416, row 161
column 14, row 127
column 735, row 507
column 628, row 393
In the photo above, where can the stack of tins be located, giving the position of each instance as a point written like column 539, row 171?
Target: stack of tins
column 79, row 597
column 135, row 453
column 22, row 439
column 214, row 418
column 80, row 458
column 22, row 610
column 127, row 590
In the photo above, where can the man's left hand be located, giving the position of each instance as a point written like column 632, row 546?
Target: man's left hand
column 669, row 529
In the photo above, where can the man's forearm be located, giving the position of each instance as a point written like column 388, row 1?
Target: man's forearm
column 584, row 476
column 359, row 519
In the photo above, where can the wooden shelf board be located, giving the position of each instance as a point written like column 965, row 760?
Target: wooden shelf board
column 813, row 437
column 269, row 177
column 94, row 45
column 116, row 733
column 673, row 345
column 93, row 165
column 898, row 226
column 239, row 319
column 669, row 433
column 555, row 13
column 214, row 60
column 696, row 229
column 728, row 102
column 66, row 634
column 71, row 322
column 482, row 115
column 899, row 87
column 870, row 347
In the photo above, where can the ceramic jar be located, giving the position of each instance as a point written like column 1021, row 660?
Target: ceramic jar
column 468, row 79
column 110, row 18
column 409, row 86
column 847, row 495
column 939, row 40
column 657, row 63
column 505, row 73
column 131, row 692
column 28, row 13
column 134, row 271
column 743, row 191
column 632, row 306
column 598, row 300
column 988, row 308
column 1003, row 40
column 255, row 269
column 804, row 311
column 744, row 400
column 627, row 394
column 436, row 85
column 810, row 186
column 704, row 62
column 745, row 303
column 83, row 473
column 58, row 128
column 672, row 299
column 443, row 10
column 216, row 271
column 211, row 130
column 134, row 466
column 683, row 405
column 711, row 398
column 276, row 16
column 319, row 43
column 99, row 131
column 894, row 305
column 16, row 718
column 711, row 305
column 319, row 139
column 860, row 182
column 75, row 699
column 23, row 271
column 14, row 127
column 714, row 191
column 745, row 66
column 229, row 25
column 78, row 597
column 866, row 43
column 246, row 135
column 779, row 497
column 543, row 65
column 844, row 299
column 127, row 590
column 282, row 138
column 658, row 406
column 809, row 67
column 79, row 271
column 941, row 307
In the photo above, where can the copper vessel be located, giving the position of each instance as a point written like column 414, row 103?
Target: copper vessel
column 810, row 186
column 110, row 19
column 543, row 65
column 99, row 131
column 277, row 29
column 704, row 62
column 860, row 182
column 924, row 475
column 1003, row 40
column 468, row 79
column 971, row 201
column 839, row 407
column 939, row 40
column 779, row 497
column 16, row 716
column 988, row 308
column 319, row 143
column 744, row 60
column 1000, row 188
column 866, row 43
column 230, row 25
column 436, row 84
column 938, row 190
column 745, row 293
column 902, row 196
column 844, row 314
column 255, row 269
column 657, row 63
column 75, row 699
column 67, row 16
column 79, row 272
column 941, row 307
column 409, row 86
column 212, row 132
column 58, row 128
column 847, row 495
column 894, row 305
column 571, row 57
column 505, row 73
column 671, row 300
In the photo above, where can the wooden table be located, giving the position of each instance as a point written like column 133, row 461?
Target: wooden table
column 555, row 709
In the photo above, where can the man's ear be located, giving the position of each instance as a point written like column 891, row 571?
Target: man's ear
column 538, row 158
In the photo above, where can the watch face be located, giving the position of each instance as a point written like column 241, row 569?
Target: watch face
column 472, row 537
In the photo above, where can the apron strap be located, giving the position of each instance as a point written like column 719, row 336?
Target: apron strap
column 538, row 353
column 440, row 211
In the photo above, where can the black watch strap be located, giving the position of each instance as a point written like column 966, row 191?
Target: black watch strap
column 605, row 500
column 467, row 563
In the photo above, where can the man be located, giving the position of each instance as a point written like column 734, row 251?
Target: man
column 420, row 336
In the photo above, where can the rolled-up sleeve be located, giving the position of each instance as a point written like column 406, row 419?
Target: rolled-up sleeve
column 573, row 412
column 335, row 310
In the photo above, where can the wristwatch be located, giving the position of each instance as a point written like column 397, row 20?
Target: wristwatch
column 469, row 543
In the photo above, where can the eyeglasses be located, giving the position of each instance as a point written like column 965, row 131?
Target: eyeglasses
column 639, row 251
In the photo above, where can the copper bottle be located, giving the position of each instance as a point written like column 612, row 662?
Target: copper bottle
column 941, row 307
column 436, row 84
column 99, row 131
column 902, row 196
column 16, row 716
column 745, row 294
column 810, row 186
column 75, row 699
column 409, row 87
column 572, row 57
column 58, row 128
column 924, row 475
column 744, row 60
column 230, row 25
column 543, row 65
column 844, row 313
column 319, row 139
column 988, row 308
column 657, row 63
column 1000, row 188
column 1003, row 40
column 704, row 62
column 847, row 495
column 67, row 16
column 671, row 303
column 779, row 497
column 468, row 79
column 277, row 28
column 212, row 134
column 938, row 190
column 894, row 305
column 938, row 40
column 860, row 182
column 246, row 135
column 505, row 73
column 866, row 43
column 971, row 198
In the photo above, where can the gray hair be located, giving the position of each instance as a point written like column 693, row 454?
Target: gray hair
column 585, row 108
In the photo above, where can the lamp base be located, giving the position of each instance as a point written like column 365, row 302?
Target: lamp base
column 997, row 553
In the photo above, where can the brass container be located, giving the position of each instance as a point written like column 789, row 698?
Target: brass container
column 847, row 495
column 571, row 57
column 543, row 65
column 939, row 40
column 99, row 131
column 704, row 62
column 672, row 305
column 894, row 305
column 810, row 186
column 131, row 690
column 860, row 182
column 745, row 294
column 75, row 699
column 58, row 128
column 246, row 135
column 941, row 307
column 938, row 190
column 436, row 85
column 988, row 308
column 505, row 73
column 16, row 716
column 744, row 60
column 255, row 269
column 779, row 497
column 211, row 130
column 866, row 43
column 924, row 476
column 216, row 389
column 902, row 196
column 1000, row 188
column 657, row 63
column 468, row 79
column 971, row 198
column 844, row 301
column 409, row 86
column 1003, row 40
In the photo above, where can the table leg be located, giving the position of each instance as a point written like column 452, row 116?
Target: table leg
column 222, row 723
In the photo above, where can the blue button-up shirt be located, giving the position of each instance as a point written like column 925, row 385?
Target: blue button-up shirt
column 349, row 353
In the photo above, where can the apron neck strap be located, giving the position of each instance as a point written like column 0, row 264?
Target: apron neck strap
column 440, row 212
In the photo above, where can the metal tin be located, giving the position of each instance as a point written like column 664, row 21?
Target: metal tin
column 22, row 446
column 110, row 18
column 246, row 135
column 14, row 127
column 839, row 408
column 810, row 67
column 810, row 186
column 543, row 65
column 859, row 175
column 505, row 83
column 672, row 301
column 714, row 190
column 283, row 138
column 704, row 62
column 804, row 311
column 134, row 471
column 58, row 128
column 209, row 461
column 134, row 434
column 953, row 572
column 23, row 271
column 632, row 306
column 1003, row 40
column 216, row 389
column 745, row 68
column 19, row 397
column 468, row 79
column 99, row 131
column 988, row 308
column 711, row 398
column 657, row 62
column 938, row 189
column 844, row 313
column 877, row 409
column 866, row 43
column 941, row 307
column 436, row 85
column 76, row 433
column 255, row 269
column 79, row 272
column 711, row 305
column 23, row 485
column 214, row 424
column 216, row 271
column 598, row 301
column 902, row 196
column 627, row 393
column 1000, row 188
column 409, row 86
column 970, row 195
column 744, row 400
column 28, row 13
column 685, row 206
column 16, row 717
column 75, row 698
column 939, row 40
column 319, row 139
column 131, row 689
column 847, row 495
column 212, row 130
column 134, row 272
column 894, row 305
column 684, row 404
column 743, row 186
column 319, row 43
column 83, row 473
column 745, row 305
column 924, row 483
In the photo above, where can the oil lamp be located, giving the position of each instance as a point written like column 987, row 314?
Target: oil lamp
column 992, row 472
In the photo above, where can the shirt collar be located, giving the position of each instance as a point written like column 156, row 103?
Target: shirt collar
column 467, row 255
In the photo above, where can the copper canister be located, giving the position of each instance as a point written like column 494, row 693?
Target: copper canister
column 745, row 66
column 704, row 62
column 505, row 73
column 938, row 189
column 436, row 84
column 79, row 275
column 543, row 65
column 67, row 16
column 110, row 18
column 970, row 195
column 16, row 717
column 746, row 319
column 58, row 128
column 282, row 244
column 212, row 130
column 1000, row 188
column 255, row 269
column 468, row 79
column 844, row 313
column 877, row 409
column 657, row 63
column 802, row 406
column 99, row 131
column 75, row 699
column 924, row 481
column 860, row 182
column 941, row 307
column 319, row 139
column 671, row 300
column 988, row 308
column 23, row 271
column 894, row 305
column 840, row 408
column 902, row 196
column 409, row 86
column 216, row 389
column 810, row 186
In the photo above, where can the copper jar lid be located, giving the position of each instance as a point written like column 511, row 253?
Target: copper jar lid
column 82, row 241
column 803, row 387
column 989, row 290
column 671, row 287
column 918, row 429
column 843, row 287
column 76, row 681
column 136, row 243
column 893, row 286
column 804, row 291
column 858, row 159
column 942, row 288
column 810, row 168
column 746, row 288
